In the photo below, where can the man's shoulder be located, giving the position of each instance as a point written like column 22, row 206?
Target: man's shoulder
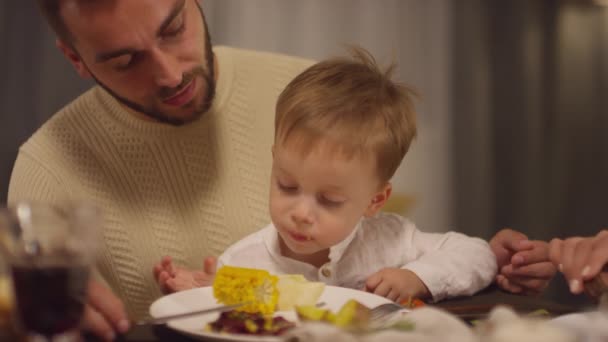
column 59, row 126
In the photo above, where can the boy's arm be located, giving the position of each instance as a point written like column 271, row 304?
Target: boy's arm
column 450, row 264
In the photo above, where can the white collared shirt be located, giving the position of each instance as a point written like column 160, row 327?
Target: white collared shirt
column 449, row 264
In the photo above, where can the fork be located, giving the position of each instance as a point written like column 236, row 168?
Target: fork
column 383, row 310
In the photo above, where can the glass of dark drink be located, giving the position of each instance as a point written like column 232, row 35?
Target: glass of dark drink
column 49, row 251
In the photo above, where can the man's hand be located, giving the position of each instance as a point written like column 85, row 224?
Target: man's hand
column 523, row 265
column 104, row 313
column 171, row 278
column 396, row 284
column 581, row 259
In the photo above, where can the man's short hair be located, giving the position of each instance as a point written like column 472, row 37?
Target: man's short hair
column 51, row 10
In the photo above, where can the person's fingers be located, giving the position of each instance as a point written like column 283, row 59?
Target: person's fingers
column 156, row 271
column 509, row 239
column 164, row 277
column 393, row 295
column 503, row 245
column 597, row 258
column 210, row 265
column 94, row 322
column 382, row 289
column 167, row 264
column 504, row 284
column 372, row 281
column 531, row 252
column 542, row 270
column 529, row 284
column 555, row 252
column 568, row 257
column 108, row 305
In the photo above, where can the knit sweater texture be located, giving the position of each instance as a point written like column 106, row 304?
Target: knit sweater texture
column 186, row 191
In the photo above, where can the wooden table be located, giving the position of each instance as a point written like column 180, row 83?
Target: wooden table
column 468, row 307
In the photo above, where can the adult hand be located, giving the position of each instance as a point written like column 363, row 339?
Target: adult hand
column 581, row 260
column 523, row 265
column 104, row 313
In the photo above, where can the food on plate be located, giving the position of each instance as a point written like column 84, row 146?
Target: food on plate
column 412, row 303
column 257, row 288
column 295, row 290
column 263, row 291
column 351, row 315
column 239, row 322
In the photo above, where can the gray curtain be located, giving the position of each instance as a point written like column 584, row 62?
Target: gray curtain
column 530, row 118
column 36, row 80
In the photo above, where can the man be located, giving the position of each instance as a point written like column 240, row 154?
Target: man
column 174, row 142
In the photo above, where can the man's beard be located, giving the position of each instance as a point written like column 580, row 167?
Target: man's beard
column 207, row 77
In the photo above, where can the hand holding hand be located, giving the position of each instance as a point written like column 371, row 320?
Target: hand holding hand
column 581, row 260
column 172, row 278
column 104, row 313
column 396, row 284
column 523, row 265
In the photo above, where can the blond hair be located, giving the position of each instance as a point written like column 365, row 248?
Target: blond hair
column 352, row 103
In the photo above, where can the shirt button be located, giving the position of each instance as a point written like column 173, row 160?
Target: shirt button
column 326, row 272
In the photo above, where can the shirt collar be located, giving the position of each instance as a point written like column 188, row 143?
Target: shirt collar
column 337, row 251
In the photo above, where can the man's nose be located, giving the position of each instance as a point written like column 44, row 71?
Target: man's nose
column 167, row 71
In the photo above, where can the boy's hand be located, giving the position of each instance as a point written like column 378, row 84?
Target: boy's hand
column 396, row 284
column 171, row 278
column 523, row 265
column 581, row 259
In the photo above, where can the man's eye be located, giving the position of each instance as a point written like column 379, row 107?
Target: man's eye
column 175, row 29
column 124, row 63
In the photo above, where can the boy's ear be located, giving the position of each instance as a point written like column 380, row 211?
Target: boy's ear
column 73, row 58
column 379, row 200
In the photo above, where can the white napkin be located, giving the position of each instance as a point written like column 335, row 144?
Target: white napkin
column 588, row 326
column 430, row 324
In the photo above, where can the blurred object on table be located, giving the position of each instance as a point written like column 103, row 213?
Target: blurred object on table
column 48, row 250
column 399, row 204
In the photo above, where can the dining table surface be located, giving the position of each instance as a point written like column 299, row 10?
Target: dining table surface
column 468, row 308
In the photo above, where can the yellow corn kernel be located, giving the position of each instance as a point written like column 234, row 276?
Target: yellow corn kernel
column 234, row 285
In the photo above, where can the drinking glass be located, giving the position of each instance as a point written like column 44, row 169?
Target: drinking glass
column 49, row 251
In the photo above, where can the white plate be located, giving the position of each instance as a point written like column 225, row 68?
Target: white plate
column 200, row 298
column 588, row 326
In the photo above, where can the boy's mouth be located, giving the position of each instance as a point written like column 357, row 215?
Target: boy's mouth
column 299, row 237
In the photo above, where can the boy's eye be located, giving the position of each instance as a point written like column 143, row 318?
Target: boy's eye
column 287, row 188
column 330, row 203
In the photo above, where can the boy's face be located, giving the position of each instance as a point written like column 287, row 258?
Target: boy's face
column 316, row 200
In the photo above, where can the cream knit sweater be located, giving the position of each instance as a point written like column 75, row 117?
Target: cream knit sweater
column 188, row 191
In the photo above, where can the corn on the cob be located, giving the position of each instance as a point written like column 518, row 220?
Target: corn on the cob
column 234, row 285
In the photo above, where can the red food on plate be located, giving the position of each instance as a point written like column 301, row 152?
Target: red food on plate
column 238, row 322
